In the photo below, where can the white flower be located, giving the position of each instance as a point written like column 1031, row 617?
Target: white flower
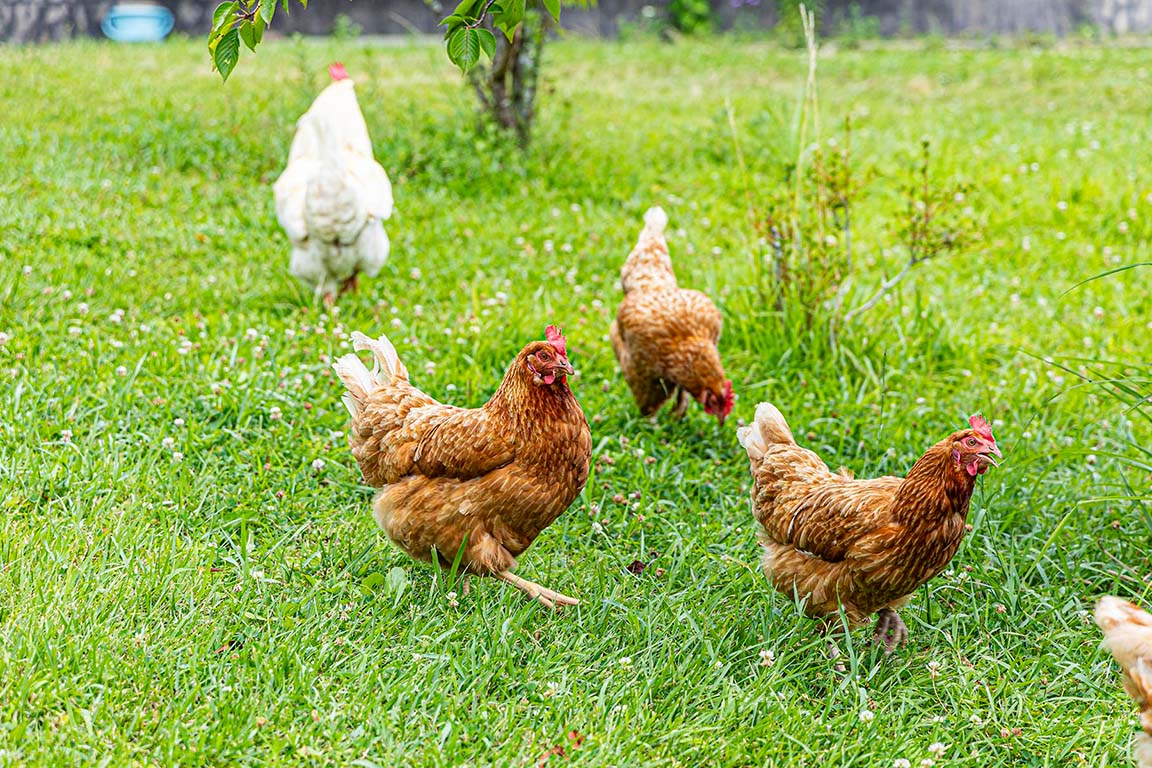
column 767, row 657
column 867, row 715
column 1061, row 206
column 274, row 413
column 177, row 422
column 597, row 528
column 317, row 465
column 975, row 720
column 4, row 338
column 177, row 456
column 937, row 748
column 251, row 334
column 75, row 331
column 168, row 443
column 415, row 274
column 397, row 322
column 901, row 762
column 121, row 370
column 933, row 669
column 927, row 763
column 66, row 435
column 625, row 661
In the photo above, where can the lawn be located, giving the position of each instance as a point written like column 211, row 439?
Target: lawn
column 190, row 573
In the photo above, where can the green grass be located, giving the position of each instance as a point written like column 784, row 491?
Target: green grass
column 223, row 609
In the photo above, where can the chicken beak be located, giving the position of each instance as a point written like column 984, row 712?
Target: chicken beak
column 566, row 367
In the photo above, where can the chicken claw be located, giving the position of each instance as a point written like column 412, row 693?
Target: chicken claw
column 890, row 630
column 545, row 596
column 683, row 400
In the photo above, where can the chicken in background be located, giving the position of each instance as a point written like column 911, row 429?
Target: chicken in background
column 665, row 336
column 1128, row 635
column 866, row 545
column 333, row 196
column 489, row 479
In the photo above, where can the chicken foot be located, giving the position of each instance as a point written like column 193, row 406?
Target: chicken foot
column 890, row 630
column 351, row 284
column 545, row 596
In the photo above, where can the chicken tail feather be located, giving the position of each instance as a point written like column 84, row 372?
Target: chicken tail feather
column 655, row 220
column 388, row 365
column 357, row 379
column 769, row 428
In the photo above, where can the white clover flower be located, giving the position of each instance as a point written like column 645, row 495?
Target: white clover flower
column 397, row 322
column 4, row 338
column 66, row 435
column 975, row 720
column 933, row 669
column 927, row 763
column 937, row 748
column 597, row 528
column 415, row 273
column 867, row 715
column 767, row 657
column 318, row 465
column 121, row 370
column 75, row 331
column 274, row 413
column 177, row 456
column 625, row 661
column 168, row 443
column 178, row 422
column 901, row 762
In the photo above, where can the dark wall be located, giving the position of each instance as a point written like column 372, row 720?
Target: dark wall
column 42, row 20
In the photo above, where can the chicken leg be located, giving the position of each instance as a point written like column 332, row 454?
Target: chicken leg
column 545, row 596
column 890, row 630
column 683, row 400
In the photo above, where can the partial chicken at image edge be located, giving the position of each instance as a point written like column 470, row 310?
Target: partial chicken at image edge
column 486, row 479
column 333, row 197
column 1128, row 635
column 665, row 337
column 863, row 546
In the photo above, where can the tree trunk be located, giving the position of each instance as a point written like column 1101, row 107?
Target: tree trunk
column 507, row 89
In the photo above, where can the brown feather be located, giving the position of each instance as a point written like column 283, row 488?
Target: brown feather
column 496, row 475
column 665, row 337
column 864, row 544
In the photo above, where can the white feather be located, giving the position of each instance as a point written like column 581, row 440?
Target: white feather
column 333, row 195
column 655, row 220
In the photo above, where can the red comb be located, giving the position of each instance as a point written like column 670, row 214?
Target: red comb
column 556, row 338
column 729, row 398
column 337, row 72
column 981, row 427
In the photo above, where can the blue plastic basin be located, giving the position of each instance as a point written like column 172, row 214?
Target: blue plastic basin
column 137, row 23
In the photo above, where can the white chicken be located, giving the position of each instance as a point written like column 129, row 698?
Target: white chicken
column 333, row 196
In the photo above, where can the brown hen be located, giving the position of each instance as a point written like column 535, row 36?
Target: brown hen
column 488, row 479
column 864, row 545
column 665, row 336
column 1128, row 635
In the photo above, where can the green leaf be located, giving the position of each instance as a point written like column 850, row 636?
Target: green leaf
column 284, row 5
column 247, row 32
column 267, row 9
column 465, row 8
column 509, row 17
column 464, row 48
column 487, row 42
column 225, row 13
column 227, row 53
column 553, row 7
column 258, row 29
column 303, row 3
column 453, row 20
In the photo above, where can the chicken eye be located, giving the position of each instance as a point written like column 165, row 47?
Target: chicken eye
column 971, row 441
column 542, row 356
